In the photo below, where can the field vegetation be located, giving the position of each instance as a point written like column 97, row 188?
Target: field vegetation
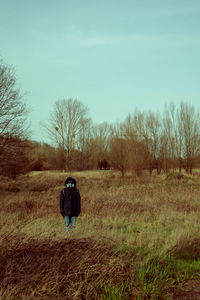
column 136, row 237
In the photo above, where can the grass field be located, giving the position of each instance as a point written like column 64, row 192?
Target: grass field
column 136, row 238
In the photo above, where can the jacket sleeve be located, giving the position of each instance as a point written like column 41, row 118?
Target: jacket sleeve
column 78, row 203
column 62, row 203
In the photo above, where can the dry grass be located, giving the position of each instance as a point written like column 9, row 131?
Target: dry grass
column 135, row 237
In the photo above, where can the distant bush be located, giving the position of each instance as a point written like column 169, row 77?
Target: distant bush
column 177, row 176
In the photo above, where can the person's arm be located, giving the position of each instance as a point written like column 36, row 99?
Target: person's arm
column 62, row 203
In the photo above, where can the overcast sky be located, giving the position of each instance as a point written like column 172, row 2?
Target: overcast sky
column 113, row 55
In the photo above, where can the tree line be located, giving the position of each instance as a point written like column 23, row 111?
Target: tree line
column 144, row 140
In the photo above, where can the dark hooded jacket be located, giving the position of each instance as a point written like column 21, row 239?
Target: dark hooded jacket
column 70, row 200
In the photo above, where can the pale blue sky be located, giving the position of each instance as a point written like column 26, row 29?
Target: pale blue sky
column 112, row 55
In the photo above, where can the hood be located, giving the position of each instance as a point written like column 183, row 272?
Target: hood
column 70, row 179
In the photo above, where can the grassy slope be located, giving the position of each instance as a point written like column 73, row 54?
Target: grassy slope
column 135, row 238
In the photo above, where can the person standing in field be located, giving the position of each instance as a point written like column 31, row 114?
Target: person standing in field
column 70, row 203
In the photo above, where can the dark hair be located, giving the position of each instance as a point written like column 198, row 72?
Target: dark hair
column 70, row 179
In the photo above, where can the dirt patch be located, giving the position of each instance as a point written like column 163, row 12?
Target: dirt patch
column 188, row 291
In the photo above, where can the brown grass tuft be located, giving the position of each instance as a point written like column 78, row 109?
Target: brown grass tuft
column 58, row 269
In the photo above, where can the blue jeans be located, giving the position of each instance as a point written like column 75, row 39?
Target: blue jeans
column 70, row 220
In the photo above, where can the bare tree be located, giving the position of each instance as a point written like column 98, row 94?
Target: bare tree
column 84, row 144
column 164, row 150
column 13, row 110
column 191, row 134
column 173, row 130
column 143, row 132
column 100, row 143
column 119, row 156
column 13, row 113
column 66, row 125
column 181, row 136
column 152, row 133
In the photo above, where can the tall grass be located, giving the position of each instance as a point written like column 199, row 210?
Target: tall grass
column 136, row 238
